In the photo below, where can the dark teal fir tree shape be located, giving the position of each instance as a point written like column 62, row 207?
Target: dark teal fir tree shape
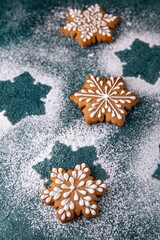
column 141, row 60
column 22, row 97
column 62, row 156
column 156, row 174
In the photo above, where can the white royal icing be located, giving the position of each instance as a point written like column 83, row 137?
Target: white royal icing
column 89, row 22
column 105, row 98
column 82, row 191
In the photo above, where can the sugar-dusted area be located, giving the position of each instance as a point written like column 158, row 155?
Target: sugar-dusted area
column 126, row 158
column 110, row 64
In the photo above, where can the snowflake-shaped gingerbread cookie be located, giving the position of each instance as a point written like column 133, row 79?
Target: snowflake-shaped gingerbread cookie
column 73, row 192
column 90, row 26
column 107, row 100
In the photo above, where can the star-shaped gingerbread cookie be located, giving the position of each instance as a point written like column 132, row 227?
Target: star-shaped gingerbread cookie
column 73, row 192
column 90, row 26
column 105, row 100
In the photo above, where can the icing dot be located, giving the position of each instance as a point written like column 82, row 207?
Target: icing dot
column 82, row 192
column 64, row 202
column 66, row 176
column 121, row 83
column 90, row 91
column 100, row 189
column 94, row 186
column 97, row 91
column 54, row 170
column 109, row 83
column 63, row 217
column 71, row 179
column 83, row 165
column 91, row 191
column 118, row 105
column 80, row 184
column 94, row 104
column 101, row 83
column 43, row 197
column 98, row 182
column 99, row 114
column 76, row 196
column 81, row 202
column 122, row 92
column 90, row 109
column 122, row 101
column 61, row 211
column 87, row 204
column 66, row 194
column 83, row 91
column 52, row 193
column 64, row 186
column 82, row 176
column 72, row 187
column 66, row 207
column 74, row 174
column 92, row 114
column 113, row 114
column 109, row 109
column 53, row 175
column 46, row 192
column 58, row 181
column 88, row 198
column 103, row 185
column 86, row 170
column 81, row 99
column 119, row 116
column 56, row 189
column 60, row 170
column 68, row 214
column 60, row 176
column 87, row 211
column 88, row 99
column 79, row 173
column 94, row 206
column 88, row 183
column 71, row 205
column 103, row 110
column 57, row 196
column 78, row 167
column 48, row 199
column 133, row 97
column 93, row 212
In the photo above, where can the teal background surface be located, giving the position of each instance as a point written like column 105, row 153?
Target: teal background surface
column 41, row 128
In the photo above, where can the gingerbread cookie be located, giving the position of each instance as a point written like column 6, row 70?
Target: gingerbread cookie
column 73, row 192
column 90, row 26
column 107, row 100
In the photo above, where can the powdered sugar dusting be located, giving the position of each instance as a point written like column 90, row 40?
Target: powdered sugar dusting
column 110, row 64
column 129, row 154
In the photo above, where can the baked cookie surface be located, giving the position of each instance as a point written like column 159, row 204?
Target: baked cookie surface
column 105, row 100
column 73, row 192
column 90, row 26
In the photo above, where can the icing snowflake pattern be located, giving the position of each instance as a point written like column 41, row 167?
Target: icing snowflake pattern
column 92, row 24
column 109, row 99
column 73, row 192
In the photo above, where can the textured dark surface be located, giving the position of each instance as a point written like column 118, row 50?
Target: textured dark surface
column 41, row 128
